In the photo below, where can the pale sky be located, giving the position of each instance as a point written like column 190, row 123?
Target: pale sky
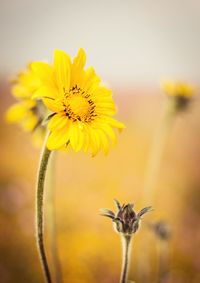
column 126, row 41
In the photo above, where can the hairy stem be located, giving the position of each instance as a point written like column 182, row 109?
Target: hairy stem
column 40, row 212
column 51, row 219
column 126, row 244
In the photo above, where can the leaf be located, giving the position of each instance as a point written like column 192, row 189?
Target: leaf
column 117, row 203
column 144, row 210
column 106, row 212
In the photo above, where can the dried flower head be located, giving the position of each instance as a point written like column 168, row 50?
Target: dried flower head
column 181, row 93
column 82, row 108
column 161, row 229
column 125, row 220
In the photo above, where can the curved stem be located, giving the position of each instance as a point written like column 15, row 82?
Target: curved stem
column 126, row 243
column 40, row 212
column 51, row 219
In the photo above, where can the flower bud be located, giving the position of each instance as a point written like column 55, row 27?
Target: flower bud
column 125, row 220
column 161, row 229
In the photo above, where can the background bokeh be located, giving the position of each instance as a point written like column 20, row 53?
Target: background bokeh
column 132, row 45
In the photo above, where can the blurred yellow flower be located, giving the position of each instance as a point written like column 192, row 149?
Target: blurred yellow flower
column 82, row 108
column 28, row 113
column 25, row 84
column 180, row 93
column 178, row 89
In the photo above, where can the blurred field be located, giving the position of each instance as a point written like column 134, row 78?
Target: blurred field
column 88, row 247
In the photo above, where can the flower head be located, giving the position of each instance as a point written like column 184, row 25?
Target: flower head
column 81, row 107
column 28, row 113
column 125, row 220
column 181, row 93
column 161, row 229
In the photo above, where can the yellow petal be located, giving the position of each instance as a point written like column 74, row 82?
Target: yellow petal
column 29, row 80
column 90, row 82
column 18, row 111
column 79, row 61
column 30, row 122
column 185, row 90
column 102, row 93
column 44, row 72
column 62, row 66
column 57, row 122
column 107, row 129
column 86, row 139
column 105, row 111
column 45, row 92
column 104, row 142
column 94, row 141
column 15, row 113
column 169, row 87
column 77, row 67
column 20, row 91
column 55, row 105
column 76, row 137
column 105, row 108
column 57, row 139
column 113, row 123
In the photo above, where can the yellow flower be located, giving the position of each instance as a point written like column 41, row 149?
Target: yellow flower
column 180, row 93
column 25, row 84
column 28, row 113
column 178, row 89
column 82, row 108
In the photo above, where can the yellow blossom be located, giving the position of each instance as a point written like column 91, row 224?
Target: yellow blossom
column 25, row 84
column 27, row 112
column 178, row 89
column 82, row 108
column 180, row 94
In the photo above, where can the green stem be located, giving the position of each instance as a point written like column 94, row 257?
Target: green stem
column 40, row 212
column 156, row 154
column 152, row 171
column 163, row 260
column 126, row 243
column 51, row 220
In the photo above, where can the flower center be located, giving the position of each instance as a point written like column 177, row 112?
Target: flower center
column 78, row 105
